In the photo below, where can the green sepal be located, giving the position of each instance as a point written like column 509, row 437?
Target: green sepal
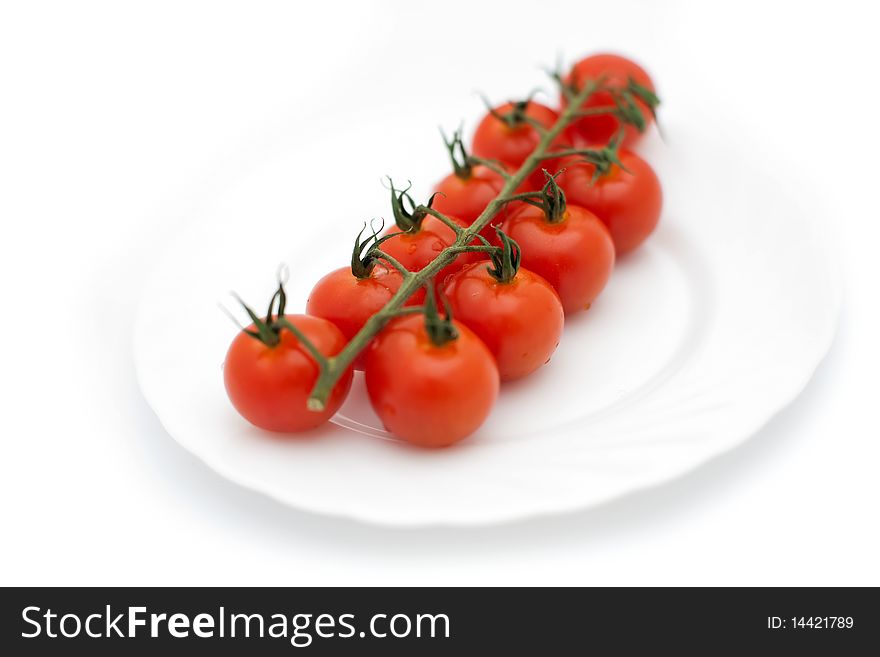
column 458, row 155
column 440, row 329
column 363, row 255
column 266, row 332
column 646, row 95
column 408, row 219
column 552, row 198
column 516, row 116
column 505, row 259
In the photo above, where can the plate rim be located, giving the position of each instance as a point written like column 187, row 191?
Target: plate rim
column 794, row 385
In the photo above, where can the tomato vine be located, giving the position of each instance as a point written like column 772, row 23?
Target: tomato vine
column 332, row 368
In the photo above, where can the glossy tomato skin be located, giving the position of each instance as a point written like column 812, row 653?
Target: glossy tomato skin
column 415, row 250
column 520, row 321
column 433, row 224
column 617, row 70
column 627, row 201
column 428, row 395
column 269, row 386
column 348, row 301
column 575, row 255
column 537, row 179
column 466, row 198
column 496, row 140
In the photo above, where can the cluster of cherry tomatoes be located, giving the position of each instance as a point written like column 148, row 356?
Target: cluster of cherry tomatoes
column 433, row 378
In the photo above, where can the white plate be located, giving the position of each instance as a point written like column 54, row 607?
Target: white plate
column 716, row 324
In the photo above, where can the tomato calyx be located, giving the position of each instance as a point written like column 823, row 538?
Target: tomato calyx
column 440, row 330
column 462, row 163
column 267, row 330
column 627, row 110
column 505, row 258
column 407, row 214
column 365, row 254
column 551, row 198
column 567, row 86
column 644, row 94
column 603, row 159
column 517, row 116
column 623, row 98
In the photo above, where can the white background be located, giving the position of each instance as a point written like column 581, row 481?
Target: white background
column 116, row 118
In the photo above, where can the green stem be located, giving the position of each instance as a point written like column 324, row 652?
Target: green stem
column 316, row 355
column 524, row 196
column 427, row 209
column 586, row 152
column 394, row 262
column 537, row 125
column 410, row 310
column 594, row 111
column 333, row 368
column 473, row 248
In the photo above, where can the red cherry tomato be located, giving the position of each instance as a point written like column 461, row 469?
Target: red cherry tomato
column 414, row 250
column 348, row 301
column 270, row 385
column 616, row 71
column 466, row 198
column 511, row 143
column 426, row 394
column 520, row 320
column 627, row 201
column 575, row 254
